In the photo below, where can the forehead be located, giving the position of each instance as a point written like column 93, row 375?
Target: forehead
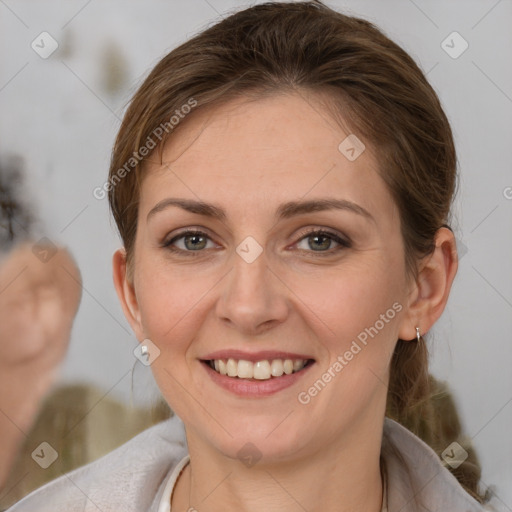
column 249, row 153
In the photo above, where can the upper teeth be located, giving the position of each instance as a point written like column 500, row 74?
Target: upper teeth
column 261, row 370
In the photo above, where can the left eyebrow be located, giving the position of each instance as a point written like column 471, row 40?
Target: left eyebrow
column 285, row 211
column 292, row 208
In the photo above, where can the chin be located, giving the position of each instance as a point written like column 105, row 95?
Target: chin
column 260, row 443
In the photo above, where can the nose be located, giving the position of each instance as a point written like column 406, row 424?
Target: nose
column 253, row 298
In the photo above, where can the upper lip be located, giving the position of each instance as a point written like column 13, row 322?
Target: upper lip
column 253, row 356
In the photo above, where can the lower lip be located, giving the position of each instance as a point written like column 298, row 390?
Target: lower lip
column 253, row 387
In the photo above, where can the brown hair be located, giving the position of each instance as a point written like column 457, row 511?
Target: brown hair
column 16, row 219
column 370, row 82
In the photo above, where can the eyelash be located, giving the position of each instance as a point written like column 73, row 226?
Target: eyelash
column 343, row 244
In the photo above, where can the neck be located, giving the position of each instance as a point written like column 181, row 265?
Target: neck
column 345, row 477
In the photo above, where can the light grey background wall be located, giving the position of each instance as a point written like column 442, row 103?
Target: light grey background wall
column 61, row 114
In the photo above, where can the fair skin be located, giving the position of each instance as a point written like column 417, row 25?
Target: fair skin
column 38, row 302
column 301, row 295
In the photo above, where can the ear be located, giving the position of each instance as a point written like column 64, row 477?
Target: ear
column 429, row 294
column 126, row 293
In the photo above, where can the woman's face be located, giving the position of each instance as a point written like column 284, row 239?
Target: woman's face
column 257, row 283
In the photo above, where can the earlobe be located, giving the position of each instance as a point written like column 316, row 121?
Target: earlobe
column 432, row 287
column 126, row 292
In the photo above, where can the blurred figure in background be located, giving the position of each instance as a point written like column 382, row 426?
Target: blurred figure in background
column 40, row 291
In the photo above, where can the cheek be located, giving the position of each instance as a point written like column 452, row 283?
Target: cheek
column 360, row 321
column 353, row 298
column 360, row 311
column 173, row 307
column 171, row 302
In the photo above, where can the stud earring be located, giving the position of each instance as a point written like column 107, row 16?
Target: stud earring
column 418, row 335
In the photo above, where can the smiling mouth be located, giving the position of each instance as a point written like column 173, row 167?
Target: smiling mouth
column 260, row 370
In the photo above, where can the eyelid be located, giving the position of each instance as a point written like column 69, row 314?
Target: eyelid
column 324, row 231
column 191, row 231
column 342, row 240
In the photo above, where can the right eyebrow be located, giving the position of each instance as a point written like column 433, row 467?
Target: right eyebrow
column 190, row 205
